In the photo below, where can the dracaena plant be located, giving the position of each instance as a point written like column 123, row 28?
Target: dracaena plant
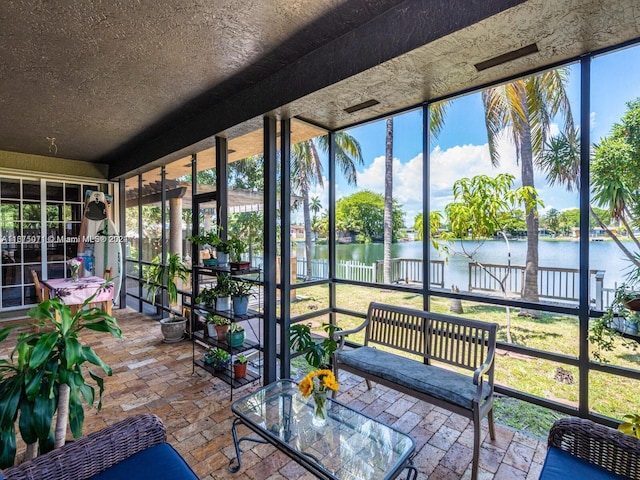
column 47, row 373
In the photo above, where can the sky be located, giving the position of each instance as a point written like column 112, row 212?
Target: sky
column 461, row 149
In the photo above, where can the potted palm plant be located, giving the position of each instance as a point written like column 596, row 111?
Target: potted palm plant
column 49, row 377
column 240, row 293
column 169, row 273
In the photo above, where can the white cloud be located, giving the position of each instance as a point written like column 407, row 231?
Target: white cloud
column 407, row 183
column 446, row 167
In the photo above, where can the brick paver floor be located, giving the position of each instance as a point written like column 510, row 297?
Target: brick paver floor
column 151, row 376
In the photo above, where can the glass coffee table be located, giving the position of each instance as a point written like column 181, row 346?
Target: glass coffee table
column 349, row 446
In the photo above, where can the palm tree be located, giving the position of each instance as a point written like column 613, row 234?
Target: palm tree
column 436, row 121
column 315, row 207
column 306, row 170
column 388, row 202
column 527, row 107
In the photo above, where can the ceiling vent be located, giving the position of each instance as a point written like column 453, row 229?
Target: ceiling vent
column 361, row 106
column 507, row 57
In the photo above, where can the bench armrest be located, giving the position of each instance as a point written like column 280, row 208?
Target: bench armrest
column 95, row 452
column 340, row 335
column 478, row 375
column 614, row 451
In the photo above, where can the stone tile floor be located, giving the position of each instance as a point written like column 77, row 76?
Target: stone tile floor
column 151, row 376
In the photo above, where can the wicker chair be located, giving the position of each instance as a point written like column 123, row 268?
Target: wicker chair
column 134, row 448
column 605, row 449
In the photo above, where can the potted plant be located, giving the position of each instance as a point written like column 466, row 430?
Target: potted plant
column 220, row 324
column 317, row 353
column 220, row 358
column 222, row 253
column 207, row 297
column 235, row 335
column 49, row 377
column 240, row 366
column 222, row 291
column 618, row 319
column 236, row 248
column 209, row 241
column 211, row 326
column 209, row 356
column 240, row 293
column 168, row 273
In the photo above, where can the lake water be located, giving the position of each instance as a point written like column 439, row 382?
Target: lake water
column 604, row 255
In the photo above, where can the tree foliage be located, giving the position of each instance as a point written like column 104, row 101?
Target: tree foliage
column 483, row 206
column 363, row 212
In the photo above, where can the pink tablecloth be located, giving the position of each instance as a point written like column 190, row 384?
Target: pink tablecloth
column 75, row 293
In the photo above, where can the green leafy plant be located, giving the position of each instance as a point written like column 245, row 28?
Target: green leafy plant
column 603, row 334
column 159, row 274
column 217, row 319
column 206, row 296
column 316, row 353
column 217, row 354
column 236, row 248
column 223, row 285
column 46, row 377
column 630, row 425
column 240, row 359
column 235, row 328
column 241, row 288
column 210, row 238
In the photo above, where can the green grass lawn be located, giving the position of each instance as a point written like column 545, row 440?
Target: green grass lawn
column 610, row 395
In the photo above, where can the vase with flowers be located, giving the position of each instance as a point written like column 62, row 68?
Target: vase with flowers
column 317, row 384
column 74, row 267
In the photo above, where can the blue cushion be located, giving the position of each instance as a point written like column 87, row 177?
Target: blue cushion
column 561, row 465
column 156, row 463
column 435, row 381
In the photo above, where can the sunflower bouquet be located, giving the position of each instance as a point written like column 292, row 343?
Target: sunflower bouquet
column 318, row 383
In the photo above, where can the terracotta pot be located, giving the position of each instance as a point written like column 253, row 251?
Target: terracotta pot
column 239, row 370
column 221, row 332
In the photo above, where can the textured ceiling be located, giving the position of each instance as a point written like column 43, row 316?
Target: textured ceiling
column 93, row 74
column 126, row 82
column 562, row 29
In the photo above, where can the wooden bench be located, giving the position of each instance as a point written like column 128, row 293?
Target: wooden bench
column 448, row 340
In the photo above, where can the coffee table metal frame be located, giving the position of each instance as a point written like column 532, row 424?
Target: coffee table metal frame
column 352, row 429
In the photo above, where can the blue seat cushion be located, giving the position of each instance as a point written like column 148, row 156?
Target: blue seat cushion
column 451, row 387
column 159, row 462
column 560, row 465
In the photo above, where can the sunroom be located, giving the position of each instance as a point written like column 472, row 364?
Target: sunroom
column 258, row 120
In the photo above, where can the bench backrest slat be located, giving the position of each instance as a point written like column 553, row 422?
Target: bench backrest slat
column 397, row 329
column 454, row 340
